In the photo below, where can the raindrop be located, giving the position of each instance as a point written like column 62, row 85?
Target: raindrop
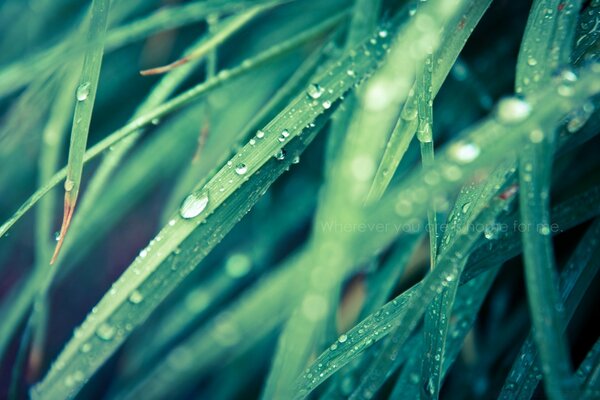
column 260, row 134
column 280, row 155
column 512, row 110
column 69, row 184
column 466, row 207
column 314, row 90
column 580, row 117
column 464, row 152
column 136, row 297
column 241, row 169
column 83, row 91
column 327, row 104
column 343, row 338
column 350, row 72
column 383, row 33
column 531, row 61
column 567, row 79
column 106, row 331
column 193, row 205
column 57, row 236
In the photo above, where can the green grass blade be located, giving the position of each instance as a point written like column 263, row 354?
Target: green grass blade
column 539, row 55
column 575, row 278
column 201, row 203
column 85, row 98
column 172, row 105
column 588, row 374
column 406, row 125
column 225, row 30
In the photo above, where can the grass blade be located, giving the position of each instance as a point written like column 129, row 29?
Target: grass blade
column 85, row 97
column 589, row 374
column 153, row 264
column 575, row 279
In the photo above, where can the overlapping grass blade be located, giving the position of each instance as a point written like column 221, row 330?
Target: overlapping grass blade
column 575, row 278
column 20, row 73
column 406, row 125
column 23, row 297
column 85, row 97
column 170, row 106
column 409, row 201
column 345, row 192
column 109, row 319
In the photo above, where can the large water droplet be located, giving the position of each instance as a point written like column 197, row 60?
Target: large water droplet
column 136, row 297
column 69, row 184
column 464, row 152
column 83, row 91
column 280, row 155
column 314, row 90
column 512, row 110
column 260, row 134
column 241, row 169
column 327, row 104
column 193, row 205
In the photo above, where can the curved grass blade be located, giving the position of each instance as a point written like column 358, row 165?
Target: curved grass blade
column 222, row 32
column 113, row 309
column 172, row 105
column 574, row 280
column 85, row 97
column 406, row 126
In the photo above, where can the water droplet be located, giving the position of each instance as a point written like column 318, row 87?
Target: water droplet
column 580, row 117
column 69, row 185
column 464, row 152
column 531, row 61
column 466, row 206
column 105, row 331
column 383, row 33
column 327, row 104
column 260, row 134
column 314, row 90
column 350, row 72
column 136, row 297
column 512, row 110
column 343, row 338
column 296, row 160
column 85, row 348
column 280, row 155
column 567, row 79
column 193, row 205
column 536, row 136
column 57, row 236
column 241, row 169
column 83, row 91
column 155, row 121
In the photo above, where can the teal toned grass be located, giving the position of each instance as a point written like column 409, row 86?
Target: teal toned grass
column 312, row 199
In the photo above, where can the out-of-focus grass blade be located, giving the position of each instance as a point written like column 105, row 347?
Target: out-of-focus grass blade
column 172, row 105
column 107, row 326
column 346, row 190
column 587, row 33
column 406, row 126
column 224, row 30
column 85, row 97
column 574, row 280
column 20, row 73
column 24, row 296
